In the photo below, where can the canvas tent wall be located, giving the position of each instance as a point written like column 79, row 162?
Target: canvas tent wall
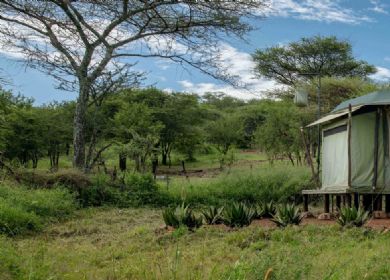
column 365, row 136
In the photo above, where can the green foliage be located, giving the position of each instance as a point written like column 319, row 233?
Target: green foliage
column 140, row 189
column 15, row 220
column 351, row 217
column 213, row 215
column 336, row 90
column 238, row 215
column 287, row 214
column 302, row 59
column 265, row 209
column 23, row 210
column 279, row 134
column 182, row 215
column 280, row 184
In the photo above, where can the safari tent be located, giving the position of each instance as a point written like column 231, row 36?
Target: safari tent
column 355, row 150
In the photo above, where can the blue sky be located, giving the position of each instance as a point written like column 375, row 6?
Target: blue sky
column 364, row 23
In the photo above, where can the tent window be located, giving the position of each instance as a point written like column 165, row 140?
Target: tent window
column 335, row 130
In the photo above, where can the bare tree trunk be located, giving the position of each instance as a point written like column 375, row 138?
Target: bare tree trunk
column 79, row 123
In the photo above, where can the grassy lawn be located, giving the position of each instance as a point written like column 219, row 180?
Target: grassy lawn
column 130, row 244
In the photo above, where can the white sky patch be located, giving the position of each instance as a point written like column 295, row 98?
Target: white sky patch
column 382, row 74
column 378, row 7
column 239, row 64
column 316, row 10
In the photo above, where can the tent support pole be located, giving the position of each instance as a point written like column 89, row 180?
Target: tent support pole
column 349, row 146
column 387, row 204
column 376, row 144
column 306, row 203
column 356, row 200
column 349, row 200
column 326, row 203
column 338, row 202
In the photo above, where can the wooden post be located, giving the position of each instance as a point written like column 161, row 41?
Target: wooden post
column 387, row 204
column 349, row 146
column 305, row 202
column 376, row 144
column 367, row 202
column 378, row 203
column 338, row 202
column 356, row 201
column 326, row 203
column 349, row 200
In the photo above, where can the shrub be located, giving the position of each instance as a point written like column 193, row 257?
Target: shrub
column 141, row 189
column 238, row 215
column 265, row 210
column 134, row 190
column 23, row 210
column 15, row 220
column 279, row 184
column 182, row 215
column 351, row 217
column 72, row 179
column 213, row 215
column 287, row 214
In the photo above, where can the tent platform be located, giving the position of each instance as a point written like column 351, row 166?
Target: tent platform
column 320, row 191
column 342, row 191
column 369, row 200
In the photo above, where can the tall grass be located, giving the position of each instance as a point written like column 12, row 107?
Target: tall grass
column 280, row 183
column 23, row 210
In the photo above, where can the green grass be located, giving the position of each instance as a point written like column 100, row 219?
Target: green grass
column 281, row 182
column 202, row 160
column 24, row 210
column 129, row 244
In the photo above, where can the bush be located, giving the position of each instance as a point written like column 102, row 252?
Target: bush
column 182, row 215
column 269, row 184
column 287, row 214
column 265, row 210
column 238, row 215
column 72, row 179
column 213, row 215
column 15, row 220
column 351, row 217
column 23, row 209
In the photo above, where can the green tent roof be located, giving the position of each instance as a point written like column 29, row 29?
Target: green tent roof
column 375, row 98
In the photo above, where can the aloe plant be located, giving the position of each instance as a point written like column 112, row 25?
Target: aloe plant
column 265, row 210
column 287, row 214
column 182, row 215
column 213, row 215
column 238, row 215
column 351, row 217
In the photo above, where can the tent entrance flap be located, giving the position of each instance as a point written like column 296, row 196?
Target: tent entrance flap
column 335, row 158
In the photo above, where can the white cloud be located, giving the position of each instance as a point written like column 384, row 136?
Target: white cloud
column 382, row 74
column 315, row 10
column 378, row 7
column 239, row 64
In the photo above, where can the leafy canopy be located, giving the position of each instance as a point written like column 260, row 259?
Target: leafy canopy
column 297, row 61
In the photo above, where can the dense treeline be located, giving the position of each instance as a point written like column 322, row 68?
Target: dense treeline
column 146, row 125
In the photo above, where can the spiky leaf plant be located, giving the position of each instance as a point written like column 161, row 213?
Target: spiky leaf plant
column 287, row 214
column 268, row 209
column 213, row 215
column 182, row 215
column 351, row 217
column 238, row 215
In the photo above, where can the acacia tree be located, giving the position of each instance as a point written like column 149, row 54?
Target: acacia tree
column 308, row 58
column 78, row 42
